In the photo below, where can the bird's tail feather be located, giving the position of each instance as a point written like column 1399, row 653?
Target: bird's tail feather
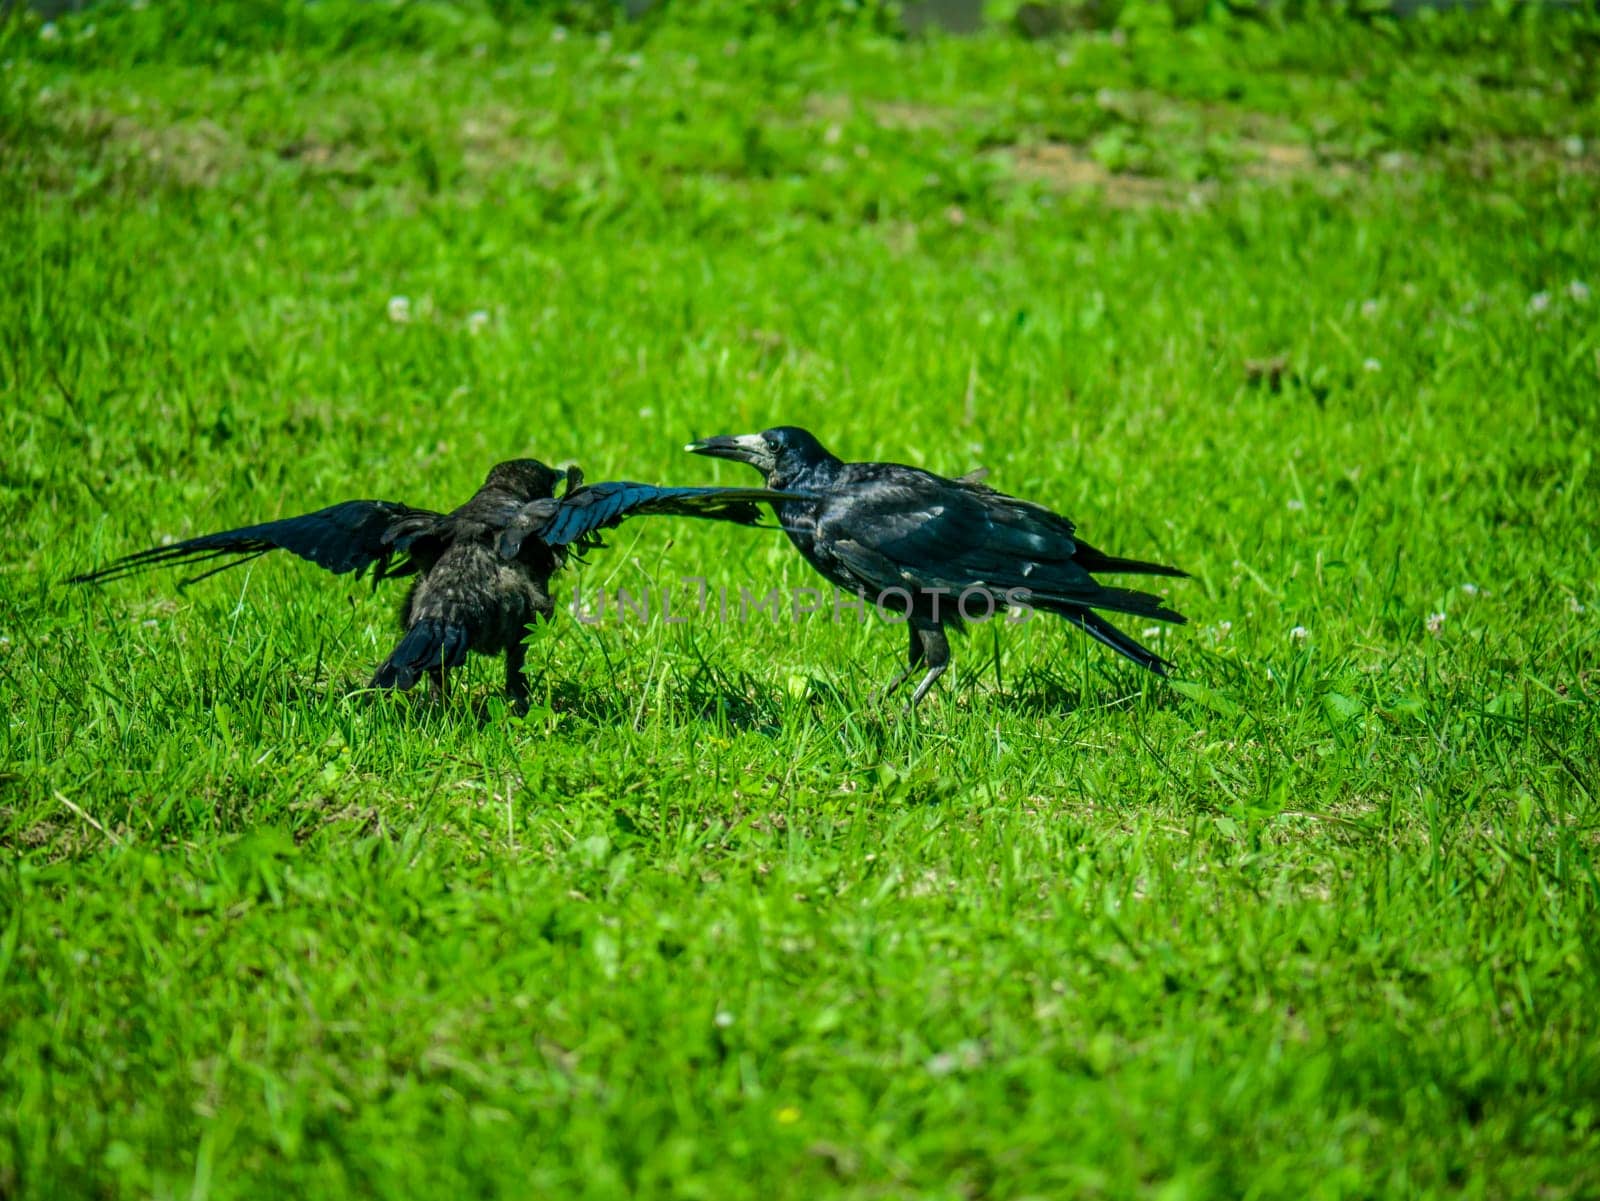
column 1117, row 600
column 428, row 645
column 1091, row 559
column 1103, row 631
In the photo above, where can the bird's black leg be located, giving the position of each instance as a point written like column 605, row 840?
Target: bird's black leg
column 912, row 660
column 936, row 649
column 516, row 678
column 436, row 685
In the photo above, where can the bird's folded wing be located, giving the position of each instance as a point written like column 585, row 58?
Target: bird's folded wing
column 582, row 513
column 342, row 538
column 931, row 533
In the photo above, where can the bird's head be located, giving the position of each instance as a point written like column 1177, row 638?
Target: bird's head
column 781, row 454
column 525, row 479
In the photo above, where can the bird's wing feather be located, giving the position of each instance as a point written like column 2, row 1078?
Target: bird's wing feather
column 533, row 516
column 341, row 538
column 941, row 533
column 580, row 515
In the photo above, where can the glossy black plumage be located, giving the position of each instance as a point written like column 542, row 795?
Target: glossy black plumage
column 481, row 571
column 586, row 509
column 883, row 529
column 352, row 536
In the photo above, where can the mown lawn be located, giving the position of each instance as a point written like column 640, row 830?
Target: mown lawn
column 1305, row 309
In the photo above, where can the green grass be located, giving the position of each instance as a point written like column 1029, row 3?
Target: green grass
column 1294, row 307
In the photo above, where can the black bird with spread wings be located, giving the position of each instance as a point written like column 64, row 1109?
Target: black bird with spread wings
column 918, row 543
column 480, row 573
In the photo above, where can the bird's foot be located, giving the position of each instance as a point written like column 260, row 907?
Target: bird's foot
column 922, row 689
column 879, row 696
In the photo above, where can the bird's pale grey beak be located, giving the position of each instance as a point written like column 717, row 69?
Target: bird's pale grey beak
column 742, row 448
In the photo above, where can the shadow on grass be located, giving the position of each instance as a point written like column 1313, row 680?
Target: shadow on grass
column 727, row 700
column 1041, row 692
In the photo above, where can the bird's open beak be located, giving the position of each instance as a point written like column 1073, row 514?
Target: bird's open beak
column 742, row 448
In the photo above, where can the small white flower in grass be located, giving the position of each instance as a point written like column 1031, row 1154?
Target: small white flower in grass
column 647, row 412
column 1574, row 604
column 558, row 34
column 1470, row 589
column 1538, row 302
column 724, row 1019
column 1224, row 628
column 1371, row 365
column 1435, row 623
column 477, row 321
column 1299, row 633
column 941, row 1064
column 633, row 62
column 399, row 309
column 1579, row 291
column 1369, row 308
column 1295, row 504
column 4, row 641
column 49, row 33
column 150, row 624
column 1152, row 631
column 1573, row 146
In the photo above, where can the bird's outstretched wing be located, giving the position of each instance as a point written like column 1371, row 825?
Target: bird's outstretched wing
column 526, row 523
column 578, row 517
column 352, row 536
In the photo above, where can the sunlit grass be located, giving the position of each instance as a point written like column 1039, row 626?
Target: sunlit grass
column 1305, row 311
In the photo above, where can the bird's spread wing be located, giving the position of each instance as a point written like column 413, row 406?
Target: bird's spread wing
column 526, row 522
column 535, row 515
column 352, row 536
column 577, row 517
